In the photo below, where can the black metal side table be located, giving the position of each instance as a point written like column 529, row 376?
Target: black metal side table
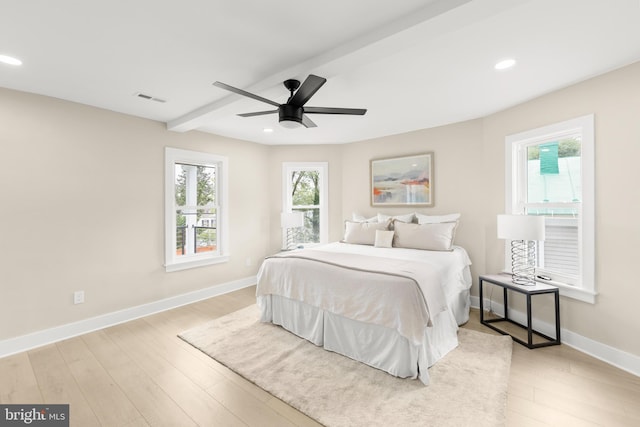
column 505, row 282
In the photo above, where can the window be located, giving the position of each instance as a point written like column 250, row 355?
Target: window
column 195, row 209
column 305, row 190
column 550, row 172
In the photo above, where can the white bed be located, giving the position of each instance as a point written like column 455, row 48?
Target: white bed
column 395, row 309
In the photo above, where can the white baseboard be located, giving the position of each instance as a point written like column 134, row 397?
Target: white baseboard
column 623, row 360
column 47, row 336
column 613, row 356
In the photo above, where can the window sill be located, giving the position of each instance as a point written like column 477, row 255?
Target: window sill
column 575, row 292
column 194, row 263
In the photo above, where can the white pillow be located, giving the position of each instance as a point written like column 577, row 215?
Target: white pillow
column 403, row 218
column 384, row 239
column 362, row 233
column 359, row 218
column 433, row 237
column 435, row 219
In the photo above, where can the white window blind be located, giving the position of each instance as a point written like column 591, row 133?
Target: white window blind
column 560, row 252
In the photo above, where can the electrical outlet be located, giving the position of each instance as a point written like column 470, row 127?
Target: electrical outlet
column 78, row 297
column 248, row 262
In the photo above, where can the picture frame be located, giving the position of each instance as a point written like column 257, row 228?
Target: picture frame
column 402, row 181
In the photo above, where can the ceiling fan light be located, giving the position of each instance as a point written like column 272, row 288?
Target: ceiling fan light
column 291, row 124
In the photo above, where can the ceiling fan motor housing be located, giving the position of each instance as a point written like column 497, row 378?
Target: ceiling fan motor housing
column 290, row 113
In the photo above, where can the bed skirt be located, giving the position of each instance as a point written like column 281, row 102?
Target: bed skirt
column 377, row 346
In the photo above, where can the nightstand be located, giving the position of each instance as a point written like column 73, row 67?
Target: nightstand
column 505, row 282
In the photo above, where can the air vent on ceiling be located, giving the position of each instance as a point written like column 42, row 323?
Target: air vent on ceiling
column 149, row 97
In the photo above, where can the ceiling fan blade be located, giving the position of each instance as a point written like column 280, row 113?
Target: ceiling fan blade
column 245, row 93
column 327, row 110
column 306, row 91
column 307, row 122
column 257, row 113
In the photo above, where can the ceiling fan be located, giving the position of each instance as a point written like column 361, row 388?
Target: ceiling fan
column 293, row 113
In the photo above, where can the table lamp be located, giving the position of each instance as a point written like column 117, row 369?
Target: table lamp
column 523, row 231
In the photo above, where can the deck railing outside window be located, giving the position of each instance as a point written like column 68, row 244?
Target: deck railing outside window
column 204, row 239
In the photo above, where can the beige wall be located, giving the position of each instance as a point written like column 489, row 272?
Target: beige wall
column 82, row 194
column 457, row 150
column 614, row 99
column 469, row 178
column 83, row 202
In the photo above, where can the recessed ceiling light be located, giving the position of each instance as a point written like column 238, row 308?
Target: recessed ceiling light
column 505, row 63
column 10, row 60
column 267, row 130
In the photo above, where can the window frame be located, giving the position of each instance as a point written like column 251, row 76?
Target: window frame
column 287, row 203
column 172, row 261
column 585, row 288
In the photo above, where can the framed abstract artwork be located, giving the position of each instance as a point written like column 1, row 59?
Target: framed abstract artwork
column 402, row 181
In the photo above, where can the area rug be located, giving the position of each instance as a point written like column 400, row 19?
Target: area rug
column 468, row 387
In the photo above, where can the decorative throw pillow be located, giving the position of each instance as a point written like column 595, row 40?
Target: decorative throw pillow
column 384, row 239
column 433, row 237
column 435, row 219
column 362, row 233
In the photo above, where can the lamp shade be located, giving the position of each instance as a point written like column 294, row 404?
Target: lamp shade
column 291, row 219
column 521, row 227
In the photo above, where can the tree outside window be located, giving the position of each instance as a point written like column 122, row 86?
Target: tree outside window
column 305, row 196
column 305, row 190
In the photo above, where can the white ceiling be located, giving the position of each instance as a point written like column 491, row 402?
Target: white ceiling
column 413, row 63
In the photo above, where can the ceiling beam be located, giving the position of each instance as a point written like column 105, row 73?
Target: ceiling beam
column 329, row 63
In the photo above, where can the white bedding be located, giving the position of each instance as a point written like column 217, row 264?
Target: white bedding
column 381, row 292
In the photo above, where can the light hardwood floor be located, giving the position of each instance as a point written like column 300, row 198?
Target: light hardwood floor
column 140, row 374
